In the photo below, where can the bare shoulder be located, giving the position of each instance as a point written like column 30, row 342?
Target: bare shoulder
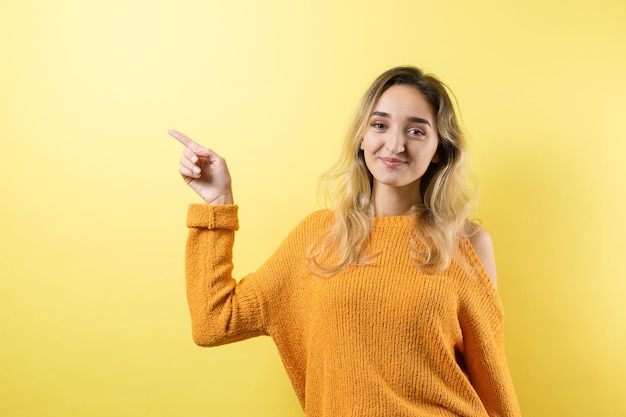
column 483, row 246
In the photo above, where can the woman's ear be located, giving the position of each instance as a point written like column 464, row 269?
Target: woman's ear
column 440, row 149
column 361, row 146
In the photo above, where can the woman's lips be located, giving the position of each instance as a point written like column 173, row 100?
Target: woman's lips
column 391, row 162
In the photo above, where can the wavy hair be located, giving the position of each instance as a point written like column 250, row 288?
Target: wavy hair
column 441, row 220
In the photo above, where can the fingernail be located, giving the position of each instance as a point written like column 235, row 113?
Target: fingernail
column 196, row 170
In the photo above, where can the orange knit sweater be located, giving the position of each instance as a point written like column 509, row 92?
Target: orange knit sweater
column 374, row 340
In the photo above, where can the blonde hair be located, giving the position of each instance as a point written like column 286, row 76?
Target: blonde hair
column 442, row 218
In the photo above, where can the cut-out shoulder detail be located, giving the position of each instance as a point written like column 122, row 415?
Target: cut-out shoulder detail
column 483, row 246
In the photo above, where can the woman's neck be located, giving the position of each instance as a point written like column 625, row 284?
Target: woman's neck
column 394, row 201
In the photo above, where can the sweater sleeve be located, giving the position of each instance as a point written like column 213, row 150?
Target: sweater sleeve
column 482, row 323
column 489, row 373
column 222, row 310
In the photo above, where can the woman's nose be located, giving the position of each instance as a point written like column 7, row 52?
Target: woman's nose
column 395, row 142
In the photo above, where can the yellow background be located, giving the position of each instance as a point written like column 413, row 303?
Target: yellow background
column 92, row 307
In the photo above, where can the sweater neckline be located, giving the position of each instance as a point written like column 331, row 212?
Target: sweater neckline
column 393, row 221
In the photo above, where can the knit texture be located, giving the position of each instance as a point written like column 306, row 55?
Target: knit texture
column 373, row 340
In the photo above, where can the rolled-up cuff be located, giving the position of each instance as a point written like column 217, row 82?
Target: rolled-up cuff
column 213, row 216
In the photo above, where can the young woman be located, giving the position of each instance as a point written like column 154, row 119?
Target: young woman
column 384, row 305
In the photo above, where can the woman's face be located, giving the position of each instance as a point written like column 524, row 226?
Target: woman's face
column 401, row 139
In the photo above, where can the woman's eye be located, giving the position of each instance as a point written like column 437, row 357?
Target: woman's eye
column 416, row 132
column 378, row 125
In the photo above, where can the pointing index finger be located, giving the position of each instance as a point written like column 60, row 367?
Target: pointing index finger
column 185, row 140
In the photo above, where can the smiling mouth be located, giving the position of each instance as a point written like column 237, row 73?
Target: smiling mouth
column 392, row 162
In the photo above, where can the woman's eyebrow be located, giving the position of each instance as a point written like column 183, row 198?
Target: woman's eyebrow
column 381, row 114
column 410, row 119
column 419, row 120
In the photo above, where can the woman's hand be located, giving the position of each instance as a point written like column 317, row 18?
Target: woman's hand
column 204, row 171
